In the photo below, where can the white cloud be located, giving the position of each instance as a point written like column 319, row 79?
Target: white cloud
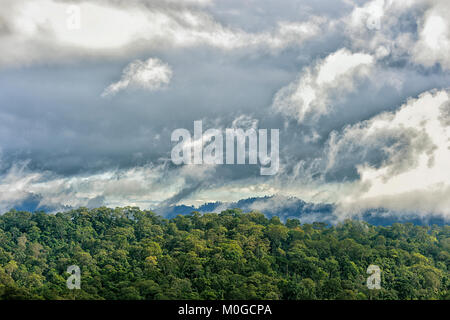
column 310, row 94
column 145, row 186
column 401, row 162
column 380, row 27
column 37, row 30
column 433, row 45
column 368, row 16
column 416, row 172
column 14, row 185
column 151, row 74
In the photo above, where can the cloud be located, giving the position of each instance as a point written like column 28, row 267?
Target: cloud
column 14, row 185
column 411, row 170
column 397, row 160
column 414, row 29
column 312, row 92
column 39, row 30
column 331, row 75
column 433, row 45
column 146, row 186
column 379, row 142
column 151, row 74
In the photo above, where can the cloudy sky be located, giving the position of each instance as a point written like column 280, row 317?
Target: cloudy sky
column 359, row 90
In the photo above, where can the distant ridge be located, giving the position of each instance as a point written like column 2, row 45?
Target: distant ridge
column 295, row 208
column 277, row 205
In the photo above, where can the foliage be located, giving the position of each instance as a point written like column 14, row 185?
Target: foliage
column 126, row 253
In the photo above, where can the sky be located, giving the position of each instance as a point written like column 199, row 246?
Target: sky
column 90, row 92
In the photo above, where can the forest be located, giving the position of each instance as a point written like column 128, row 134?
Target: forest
column 128, row 253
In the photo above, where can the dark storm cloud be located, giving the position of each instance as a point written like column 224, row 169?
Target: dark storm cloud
column 64, row 126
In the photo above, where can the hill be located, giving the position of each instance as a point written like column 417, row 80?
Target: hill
column 295, row 208
column 126, row 253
